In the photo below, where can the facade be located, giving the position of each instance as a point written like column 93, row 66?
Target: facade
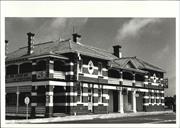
column 68, row 77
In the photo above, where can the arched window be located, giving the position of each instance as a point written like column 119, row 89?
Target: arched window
column 25, row 67
column 113, row 73
column 12, row 69
column 127, row 76
column 41, row 65
column 139, row 77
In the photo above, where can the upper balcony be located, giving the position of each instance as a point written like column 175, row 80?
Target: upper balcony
column 41, row 69
column 18, row 73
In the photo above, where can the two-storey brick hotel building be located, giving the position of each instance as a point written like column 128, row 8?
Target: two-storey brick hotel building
column 69, row 77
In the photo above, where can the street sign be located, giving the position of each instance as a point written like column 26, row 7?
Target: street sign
column 26, row 101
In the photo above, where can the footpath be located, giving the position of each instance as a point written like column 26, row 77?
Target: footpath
column 84, row 117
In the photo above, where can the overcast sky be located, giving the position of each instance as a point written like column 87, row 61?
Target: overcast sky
column 150, row 39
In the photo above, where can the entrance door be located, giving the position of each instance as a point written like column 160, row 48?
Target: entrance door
column 139, row 101
column 90, row 98
column 115, row 101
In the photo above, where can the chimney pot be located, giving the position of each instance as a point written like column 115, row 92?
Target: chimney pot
column 117, row 51
column 6, row 47
column 30, row 42
column 76, row 37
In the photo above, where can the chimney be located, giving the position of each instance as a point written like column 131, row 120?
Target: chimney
column 6, row 47
column 76, row 37
column 30, row 42
column 117, row 51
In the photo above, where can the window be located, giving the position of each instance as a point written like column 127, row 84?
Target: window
column 139, row 77
column 99, row 68
column 11, row 99
column 155, row 97
column 89, row 94
column 150, row 94
column 41, row 66
column 127, row 76
column 79, row 93
column 129, row 97
column 152, row 100
column 113, row 73
column 100, row 94
column 59, row 66
column 12, row 69
column 25, row 67
column 80, row 65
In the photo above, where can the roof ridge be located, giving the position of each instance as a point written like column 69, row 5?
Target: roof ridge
column 95, row 48
column 150, row 64
column 125, row 57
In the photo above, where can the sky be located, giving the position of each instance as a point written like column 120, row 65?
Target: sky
column 150, row 39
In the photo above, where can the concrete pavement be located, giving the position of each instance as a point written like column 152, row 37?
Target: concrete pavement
column 83, row 117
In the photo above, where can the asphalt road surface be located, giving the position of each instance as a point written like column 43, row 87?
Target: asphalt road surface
column 169, row 118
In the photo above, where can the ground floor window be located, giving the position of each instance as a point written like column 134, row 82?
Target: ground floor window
column 100, row 93
column 11, row 99
column 80, row 92
column 41, row 100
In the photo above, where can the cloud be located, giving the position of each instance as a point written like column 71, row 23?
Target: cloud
column 55, row 28
column 134, row 27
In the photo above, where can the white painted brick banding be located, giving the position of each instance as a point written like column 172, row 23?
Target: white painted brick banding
column 104, row 69
column 33, row 104
column 143, row 90
column 95, row 94
column 69, row 73
column 49, row 104
column 110, row 87
column 155, row 84
column 84, row 94
column 49, row 93
column 51, row 62
column 105, row 77
column 146, row 83
column 34, row 63
column 146, row 104
column 51, row 71
column 121, row 79
column 33, row 93
column 162, row 91
column 95, row 86
column 146, row 97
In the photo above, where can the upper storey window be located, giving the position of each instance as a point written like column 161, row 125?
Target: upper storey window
column 127, row 76
column 25, row 67
column 41, row 65
column 113, row 73
column 12, row 69
column 59, row 66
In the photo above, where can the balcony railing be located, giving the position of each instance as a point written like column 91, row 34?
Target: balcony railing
column 113, row 80
column 59, row 75
column 19, row 77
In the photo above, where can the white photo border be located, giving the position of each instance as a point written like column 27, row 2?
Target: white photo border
column 162, row 9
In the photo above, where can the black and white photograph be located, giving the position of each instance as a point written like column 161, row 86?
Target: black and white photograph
column 90, row 70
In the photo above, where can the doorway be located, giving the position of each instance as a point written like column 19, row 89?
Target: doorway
column 113, row 101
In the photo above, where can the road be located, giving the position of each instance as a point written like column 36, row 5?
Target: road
column 154, row 119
